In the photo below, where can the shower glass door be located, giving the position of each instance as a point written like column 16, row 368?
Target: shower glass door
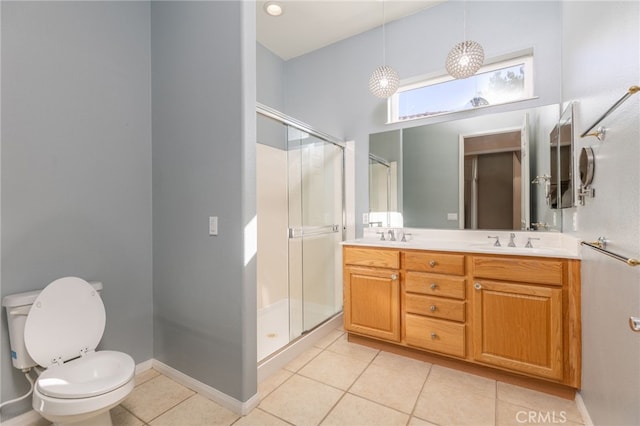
column 315, row 175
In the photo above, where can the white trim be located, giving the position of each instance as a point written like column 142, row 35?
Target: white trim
column 582, row 408
column 238, row 407
column 144, row 366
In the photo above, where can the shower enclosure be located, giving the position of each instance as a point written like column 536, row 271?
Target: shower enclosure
column 300, row 216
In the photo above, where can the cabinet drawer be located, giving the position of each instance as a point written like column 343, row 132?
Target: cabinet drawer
column 435, row 285
column 436, row 335
column 438, row 307
column 379, row 258
column 440, row 263
column 529, row 270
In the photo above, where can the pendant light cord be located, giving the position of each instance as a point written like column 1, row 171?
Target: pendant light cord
column 464, row 20
column 384, row 56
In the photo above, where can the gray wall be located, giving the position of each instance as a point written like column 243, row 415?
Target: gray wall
column 328, row 88
column 610, row 289
column 203, row 83
column 270, row 82
column 76, row 162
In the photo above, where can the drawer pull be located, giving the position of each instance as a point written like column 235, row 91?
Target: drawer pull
column 432, row 308
column 394, row 276
column 477, row 286
column 434, row 336
column 432, row 263
column 434, row 286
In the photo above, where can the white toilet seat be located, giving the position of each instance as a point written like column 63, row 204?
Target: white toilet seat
column 93, row 374
column 66, row 319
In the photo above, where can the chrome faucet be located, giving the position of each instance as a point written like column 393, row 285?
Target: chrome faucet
column 497, row 243
column 381, row 235
column 392, row 236
column 511, row 242
column 529, row 245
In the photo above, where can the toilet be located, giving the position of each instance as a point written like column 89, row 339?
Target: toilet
column 59, row 329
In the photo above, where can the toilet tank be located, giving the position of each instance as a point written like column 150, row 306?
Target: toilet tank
column 18, row 306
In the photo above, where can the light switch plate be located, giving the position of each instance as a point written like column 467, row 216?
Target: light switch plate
column 213, row 225
column 452, row 216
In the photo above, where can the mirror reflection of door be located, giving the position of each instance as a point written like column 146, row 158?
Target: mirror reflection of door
column 493, row 181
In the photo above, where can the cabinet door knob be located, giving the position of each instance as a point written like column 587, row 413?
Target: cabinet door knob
column 394, row 276
column 434, row 286
column 432, row 263
column 477, row 286
column 434, row 335
column 432, row 308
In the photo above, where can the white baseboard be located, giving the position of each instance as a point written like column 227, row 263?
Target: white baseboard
column 144, row 366
column 583, row 410
column 238, row 407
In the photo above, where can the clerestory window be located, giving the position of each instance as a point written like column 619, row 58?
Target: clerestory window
column 494, row 84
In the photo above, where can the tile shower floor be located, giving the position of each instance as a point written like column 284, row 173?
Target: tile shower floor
column 342, row 383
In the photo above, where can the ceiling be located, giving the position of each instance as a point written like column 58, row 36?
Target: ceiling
column 307, row 25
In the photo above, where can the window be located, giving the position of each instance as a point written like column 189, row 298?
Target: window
column 494, row 84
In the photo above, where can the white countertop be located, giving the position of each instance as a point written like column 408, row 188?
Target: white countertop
column 549, row 244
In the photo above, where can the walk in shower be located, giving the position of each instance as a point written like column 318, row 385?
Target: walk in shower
column 300, row 216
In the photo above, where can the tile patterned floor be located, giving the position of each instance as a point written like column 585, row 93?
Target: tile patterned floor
column 341, row 383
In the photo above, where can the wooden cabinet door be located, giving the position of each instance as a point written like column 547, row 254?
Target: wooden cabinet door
column 518, row 327
column 372, row 302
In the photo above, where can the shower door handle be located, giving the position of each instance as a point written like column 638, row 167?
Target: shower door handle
column 306, row 231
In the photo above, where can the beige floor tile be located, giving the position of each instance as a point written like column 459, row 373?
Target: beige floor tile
column 154, row 397
column 538, row 401
column 414, row 421
column 446, row 405
column 258, row 417
column 40, row 422
column 122, row 417
column 328, row 339
column 272, row 382
column 401, row 363
column 392, row 388
column 334, row 369
column 301, row 401
column 514, row 415
column 343, row 347
column 355, row 411
column 196, row 411
column 302, row 360
column 145, row 376
column 464, row 382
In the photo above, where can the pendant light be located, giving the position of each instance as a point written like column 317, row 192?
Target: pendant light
column 466, row 57
column 384, row 80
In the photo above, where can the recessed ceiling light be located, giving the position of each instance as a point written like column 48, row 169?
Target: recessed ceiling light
column 273, row 8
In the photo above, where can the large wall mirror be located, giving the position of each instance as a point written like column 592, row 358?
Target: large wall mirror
column 472, row 173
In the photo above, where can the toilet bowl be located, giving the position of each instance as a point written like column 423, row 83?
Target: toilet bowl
column 79, row 384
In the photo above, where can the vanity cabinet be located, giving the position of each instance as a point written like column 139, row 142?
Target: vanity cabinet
column 520, row 314
column 433, row 302
column 517, row 314
column 372, row 292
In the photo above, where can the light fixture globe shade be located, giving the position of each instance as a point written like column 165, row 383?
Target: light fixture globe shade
column 465, row 59
column 384, row 82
